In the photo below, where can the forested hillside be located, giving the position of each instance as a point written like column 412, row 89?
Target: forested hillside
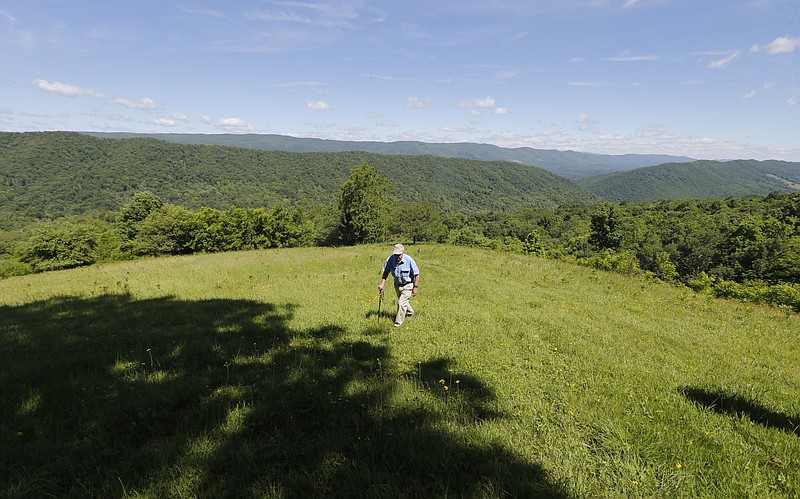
column 570, row 164
column 697, row 180
column 53, row 174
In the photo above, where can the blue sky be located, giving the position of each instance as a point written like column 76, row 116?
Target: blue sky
column 703, row 78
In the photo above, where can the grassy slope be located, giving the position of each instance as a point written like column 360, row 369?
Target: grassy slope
column 270, row 372
column 696, row 180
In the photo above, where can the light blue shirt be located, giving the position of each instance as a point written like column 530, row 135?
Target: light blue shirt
column 403, row 271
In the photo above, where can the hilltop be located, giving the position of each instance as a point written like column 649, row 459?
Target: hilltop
column 569, row 164
column 697, row 180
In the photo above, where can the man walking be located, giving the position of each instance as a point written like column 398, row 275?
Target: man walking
column 406, row 281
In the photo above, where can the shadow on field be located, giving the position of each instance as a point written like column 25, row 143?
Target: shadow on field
column 110, row 396
column 737, row 406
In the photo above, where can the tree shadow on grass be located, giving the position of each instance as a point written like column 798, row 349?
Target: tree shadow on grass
column 738, row 406
column 110, row 396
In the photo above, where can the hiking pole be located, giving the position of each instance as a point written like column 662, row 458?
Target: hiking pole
column 380, row 300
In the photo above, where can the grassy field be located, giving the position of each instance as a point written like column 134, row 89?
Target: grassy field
column 271, row 374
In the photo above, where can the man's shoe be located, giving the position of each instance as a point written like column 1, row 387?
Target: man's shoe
column 396, row 324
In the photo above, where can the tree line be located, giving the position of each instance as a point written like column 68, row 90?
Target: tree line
column 746, row 248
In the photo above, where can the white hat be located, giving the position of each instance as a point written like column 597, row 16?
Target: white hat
column 398, row 249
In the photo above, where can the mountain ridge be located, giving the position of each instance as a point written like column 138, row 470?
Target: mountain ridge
column 568, row 164
column 697, row 179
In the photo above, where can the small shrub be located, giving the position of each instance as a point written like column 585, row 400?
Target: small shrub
column 11, row 268
column 702, row 283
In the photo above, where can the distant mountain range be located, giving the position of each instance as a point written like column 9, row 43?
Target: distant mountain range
column 45, row 175
column 569, row 164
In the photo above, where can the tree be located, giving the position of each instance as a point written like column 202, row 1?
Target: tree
column 533, row 245
column 142, row 203
column 364, row 206
column 166, row 230
column 420, row 221
column 752, row 248
column 605, row 229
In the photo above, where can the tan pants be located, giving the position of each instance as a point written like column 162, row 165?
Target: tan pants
column 403, row 302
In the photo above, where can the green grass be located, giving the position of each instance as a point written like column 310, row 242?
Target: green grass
column 270, row 374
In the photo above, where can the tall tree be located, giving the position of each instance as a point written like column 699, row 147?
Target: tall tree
column 421, row 221
column 605, row 229
column 365, row 204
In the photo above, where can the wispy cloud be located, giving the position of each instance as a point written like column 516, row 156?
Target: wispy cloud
column 203, row 12
column 506, row 75
column 766, row 87
column 67, row 90
column 587, row 83
column 8, row 16
column 457, row 129
column 725, row 61
column 632, row 58
column 780, row 45
column 313, row 13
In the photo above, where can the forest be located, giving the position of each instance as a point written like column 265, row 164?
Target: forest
column 102, row 208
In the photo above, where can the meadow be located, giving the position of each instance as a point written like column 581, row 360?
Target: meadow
column 271, row 374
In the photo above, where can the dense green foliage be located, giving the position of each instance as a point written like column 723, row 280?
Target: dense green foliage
column 697, row 180
column 746, row 248
column 365, row 201
column 53, row 174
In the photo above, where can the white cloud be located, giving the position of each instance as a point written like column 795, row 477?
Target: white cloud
column 630, row 3
column 749, row 94
column 180, row 117
column 484, row 103
column 780, row 45
column 143, row 104
column 502, row 111
column 417, row 103
column 68, row 90
column 206, row 120
column 792, row 101
column 724, row 62
column 319, row 105
column 163, row 122
column 234, row 125
column 65, row 89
